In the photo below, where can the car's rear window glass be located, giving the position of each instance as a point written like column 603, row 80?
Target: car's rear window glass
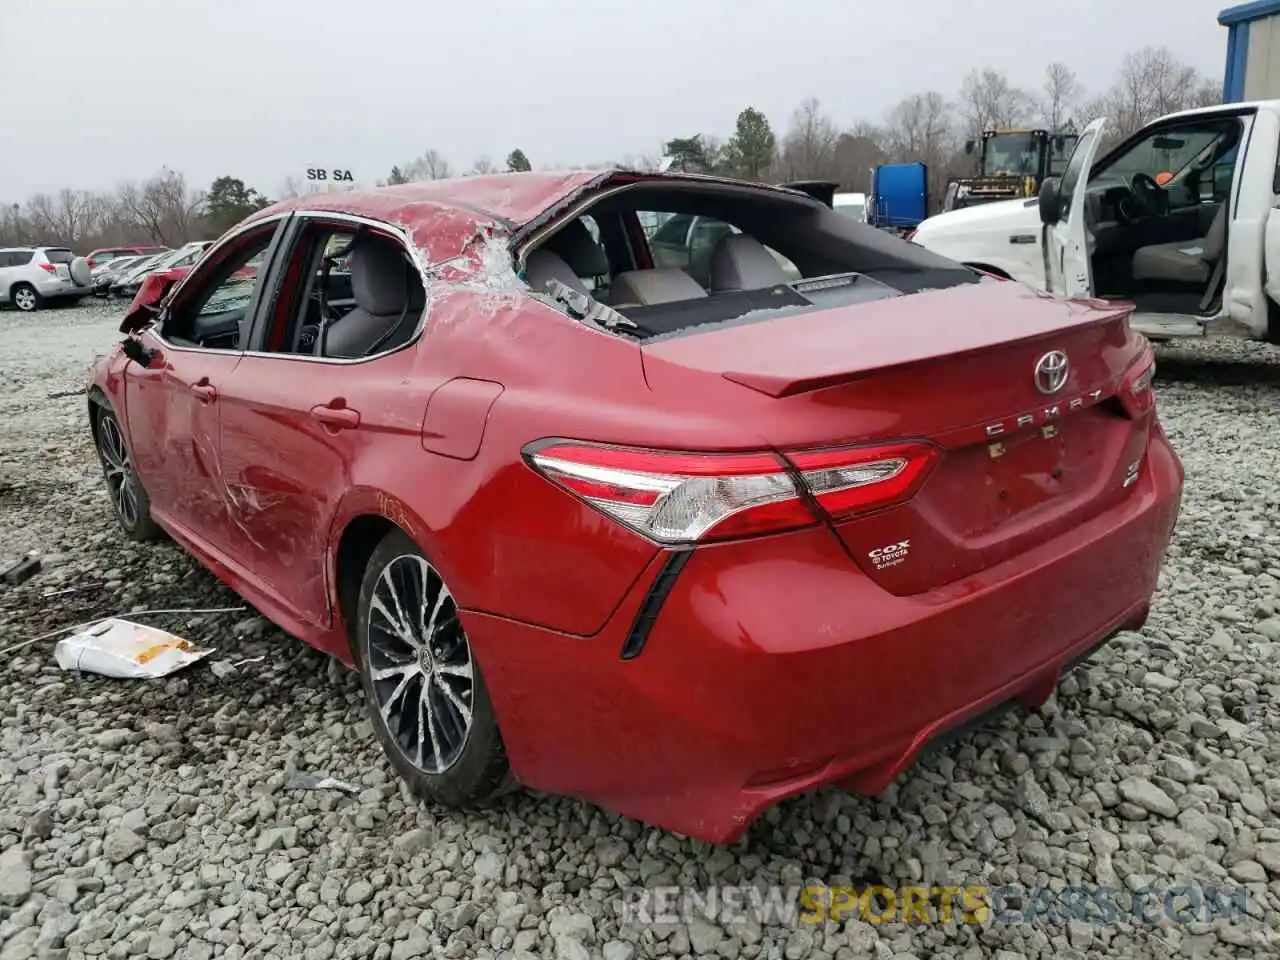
column 58, row 256
column 17, row 258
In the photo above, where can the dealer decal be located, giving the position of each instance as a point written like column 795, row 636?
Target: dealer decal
column 890, row 556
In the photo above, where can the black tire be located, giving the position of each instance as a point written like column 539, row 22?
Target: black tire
column 467, row 764
column 129, row 501
column 25, row 298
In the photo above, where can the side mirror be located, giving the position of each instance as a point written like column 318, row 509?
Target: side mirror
column 970, row 146
column 135, row 351
column 1050, row 202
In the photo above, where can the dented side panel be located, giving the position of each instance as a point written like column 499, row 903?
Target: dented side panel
column 173, row 432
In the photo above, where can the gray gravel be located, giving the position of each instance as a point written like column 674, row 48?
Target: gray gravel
column 181, row 819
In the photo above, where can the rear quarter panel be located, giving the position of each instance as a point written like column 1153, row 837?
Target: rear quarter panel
column 507, row 540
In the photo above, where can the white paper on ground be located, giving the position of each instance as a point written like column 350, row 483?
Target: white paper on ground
column 126, row 650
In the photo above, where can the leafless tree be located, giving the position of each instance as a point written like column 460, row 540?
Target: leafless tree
column 919, row 128
column 1152, row 83
column 430, row 166
column 808, row 149
column 162, row 206
column 989, row 101
column 857, row 152
column 482, row 166
column 1060, row 96
column 633, row 161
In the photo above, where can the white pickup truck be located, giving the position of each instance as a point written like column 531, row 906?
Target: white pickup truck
column 1182, row 219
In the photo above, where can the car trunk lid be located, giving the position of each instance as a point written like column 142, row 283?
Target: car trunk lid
column 965, row 370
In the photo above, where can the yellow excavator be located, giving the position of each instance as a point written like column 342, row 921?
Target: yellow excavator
column 1010, row 164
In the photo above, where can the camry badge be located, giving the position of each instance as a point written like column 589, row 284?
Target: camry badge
column 1051, row 371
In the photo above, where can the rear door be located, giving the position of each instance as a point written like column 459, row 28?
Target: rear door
column 1066, row 243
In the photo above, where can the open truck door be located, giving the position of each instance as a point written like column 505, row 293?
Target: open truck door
column 1065, row 240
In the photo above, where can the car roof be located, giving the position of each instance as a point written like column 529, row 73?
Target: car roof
column 513, row 199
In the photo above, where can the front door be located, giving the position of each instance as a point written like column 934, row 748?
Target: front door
column 1066, row 243
column 173, row 403
column 173, row 434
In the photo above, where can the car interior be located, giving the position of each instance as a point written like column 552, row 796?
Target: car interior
column 342, row 295
column 1157, row 215
column 346, row 296
column 668, row 257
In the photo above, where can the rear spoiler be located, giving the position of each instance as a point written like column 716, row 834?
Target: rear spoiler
column 823, row 190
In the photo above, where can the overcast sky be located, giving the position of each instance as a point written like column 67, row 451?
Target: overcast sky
column 263, row 89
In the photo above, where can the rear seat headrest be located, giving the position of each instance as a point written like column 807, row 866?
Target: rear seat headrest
column 741, row 262
column 645, row 287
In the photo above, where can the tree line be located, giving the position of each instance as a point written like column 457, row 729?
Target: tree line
column 927, row 126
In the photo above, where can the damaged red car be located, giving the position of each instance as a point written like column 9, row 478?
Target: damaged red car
column 677, row 494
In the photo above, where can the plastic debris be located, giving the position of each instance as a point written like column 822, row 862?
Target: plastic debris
column 126, row 650
column 309, row 781
column 225, row 668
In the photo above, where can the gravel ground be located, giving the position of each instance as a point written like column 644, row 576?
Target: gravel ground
column 181, row 818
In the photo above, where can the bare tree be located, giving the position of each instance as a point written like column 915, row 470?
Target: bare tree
column 162, row 206
column 1152, row 83
column 430, row 166
column 1059, row 97
column 633, row 161
column 808, row 149
column 989, row 101
column 482, row 166
column 919, row 128
column 857, row 152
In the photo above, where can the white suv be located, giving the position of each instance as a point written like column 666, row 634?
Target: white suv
column 33, row 276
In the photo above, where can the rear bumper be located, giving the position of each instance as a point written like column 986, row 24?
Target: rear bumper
column 776, row 666
column 53, row 287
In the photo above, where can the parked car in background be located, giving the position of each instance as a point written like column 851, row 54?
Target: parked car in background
column 680, row 550
column 165, row 278
column 30, row 277
column 102, row 255
column 128, row 283
column 106, row 273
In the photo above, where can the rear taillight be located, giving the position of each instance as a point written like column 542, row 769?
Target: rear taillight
column 854, row 480
column 911, row 237
column 1136, row 395
column 48, row 268
column 689, row 497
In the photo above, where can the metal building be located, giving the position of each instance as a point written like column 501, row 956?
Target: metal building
column 1253, row 51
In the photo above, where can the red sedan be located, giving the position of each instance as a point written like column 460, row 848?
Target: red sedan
column 682, row 547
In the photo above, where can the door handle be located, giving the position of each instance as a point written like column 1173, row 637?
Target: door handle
column 204, row 391
column 341, row 418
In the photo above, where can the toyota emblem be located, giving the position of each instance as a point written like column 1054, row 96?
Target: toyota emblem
column 1051, row 371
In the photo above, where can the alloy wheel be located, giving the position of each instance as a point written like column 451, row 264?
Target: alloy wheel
column 25, row 299
column 419, row 661
column 121, row 485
